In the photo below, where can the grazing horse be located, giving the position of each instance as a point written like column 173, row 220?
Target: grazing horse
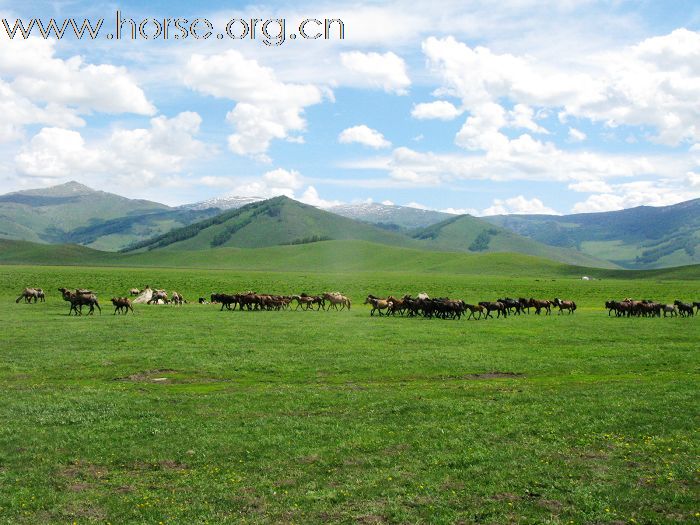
column 491, row 306
column 122, row 303
column 177, row 299
column 226, row 300
column 335, row 299
column 78, row 298
column 684, row 309
column 474, row 308
column 564, row 305
column 31, row 293
column 539, row 304
column 378, row 304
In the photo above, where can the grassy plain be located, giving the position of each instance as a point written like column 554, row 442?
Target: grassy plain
column 191, row 415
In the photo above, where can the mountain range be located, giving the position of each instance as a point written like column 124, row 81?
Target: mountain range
column 637, row 238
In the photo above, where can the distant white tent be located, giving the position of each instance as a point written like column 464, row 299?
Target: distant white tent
column 143, row 297
column 146, row 296
column 585, row 278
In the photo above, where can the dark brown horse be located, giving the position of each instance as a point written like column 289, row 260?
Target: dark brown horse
column 538, row 305
column 78, row 299
column 684, row 309
column 494, row 306
column 378, row 304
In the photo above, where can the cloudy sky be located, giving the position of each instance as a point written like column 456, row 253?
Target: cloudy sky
column 533, row 106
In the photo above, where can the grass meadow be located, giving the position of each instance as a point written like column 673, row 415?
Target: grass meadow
column 192, row 415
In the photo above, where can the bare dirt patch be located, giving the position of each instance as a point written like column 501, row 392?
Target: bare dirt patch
column 313, row 458
column 82, row 470
column 505, row 496
column 494, row 375
column 370, row 518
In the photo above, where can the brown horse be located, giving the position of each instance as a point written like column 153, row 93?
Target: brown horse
column 158, row 295
column 31, row 293
column 564, row 305
column 538, row 305
column 491, row 306
column 122, row 303
column 307, row 302
column 473, row 309
column 335, row 299
column 378, row 304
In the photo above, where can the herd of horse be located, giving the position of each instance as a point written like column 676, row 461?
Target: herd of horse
column 648, row 308
column 446, row 308
column 256, row 301
column 420, row 306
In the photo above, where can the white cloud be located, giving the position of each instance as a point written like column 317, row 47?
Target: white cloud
column 284, row 178
column 138, row 157
column 416, row 205
column 642, row 193
column 481, row 129
column 591, row 186
column 519, row 205
column 40, row 76
column 278, row 182
column 311, row 196
column 363, row 135
column 522, row 116
column 461, row 211
column 440, row 109
column 38, row 88
column 576, row 135
column 266, row 108
column 652, row 83
column 18, row 111
column 520, row 159
column 57, row 153
column 386, row 71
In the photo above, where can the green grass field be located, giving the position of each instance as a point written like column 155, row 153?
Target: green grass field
column 191, row 415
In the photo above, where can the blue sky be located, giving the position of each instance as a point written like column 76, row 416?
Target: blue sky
column 528, row 107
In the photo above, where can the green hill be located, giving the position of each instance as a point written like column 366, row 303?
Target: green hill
column 327, row 256
column 642, row 237
column 467, row 233
column 282, row 221
column 276, row 221
column 73, row 213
